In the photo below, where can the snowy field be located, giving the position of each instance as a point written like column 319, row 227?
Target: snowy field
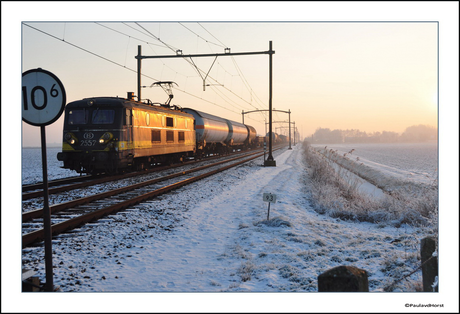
column 32, row 171
column 210, row 247
column 396, row 162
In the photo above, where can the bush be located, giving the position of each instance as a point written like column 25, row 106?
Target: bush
column 275, row 222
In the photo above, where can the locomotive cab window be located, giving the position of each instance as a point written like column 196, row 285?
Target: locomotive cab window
column 78, row 116
column 103, row 116
column 169, row 122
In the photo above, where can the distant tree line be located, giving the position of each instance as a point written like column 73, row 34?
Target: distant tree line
column 416, row 133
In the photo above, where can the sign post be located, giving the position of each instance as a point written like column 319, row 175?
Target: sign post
column 270, row 198
column 43, row 101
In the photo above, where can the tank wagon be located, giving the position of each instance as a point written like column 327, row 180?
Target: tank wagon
column 260, row 140
column 218, row 135
column 112, row 134
column 275, row 137
column 283, row 138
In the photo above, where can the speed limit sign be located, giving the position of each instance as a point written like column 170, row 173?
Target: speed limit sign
column 43, row 101
column 43, row 97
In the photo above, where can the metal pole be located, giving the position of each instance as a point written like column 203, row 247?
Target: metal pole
column 294, row 133
column 242, row 113
column 46, row 218
column 139, row 60
column 290, row 129
column 206, row 55
column 270, row 160
column 270, row 143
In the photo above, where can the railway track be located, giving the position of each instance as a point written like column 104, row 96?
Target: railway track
column 64, row 185
column 69, row 215
column 64, row 181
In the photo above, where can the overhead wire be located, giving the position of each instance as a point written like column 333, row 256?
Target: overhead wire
column 191, row 63
column 124, row 66
column 149, row 44
column 209, row 42
column 124, row 34
column 85, row 50
column 223, row 45
column 173, row 49
column 233, row 59
column 210, row 77
column 120, row 65
column 165, row 44
column 240, row 73
column 244, row 80
column 157, row 38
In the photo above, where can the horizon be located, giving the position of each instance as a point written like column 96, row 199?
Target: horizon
column 59, row 144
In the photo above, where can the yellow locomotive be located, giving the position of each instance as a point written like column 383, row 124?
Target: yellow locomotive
column 112, row 134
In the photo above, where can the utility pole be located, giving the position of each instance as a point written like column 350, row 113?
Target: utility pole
column 270, row 160
column 139, row 65
column 290, row 129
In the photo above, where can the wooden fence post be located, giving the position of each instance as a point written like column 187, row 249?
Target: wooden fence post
column 430, row 268
column 343, row 279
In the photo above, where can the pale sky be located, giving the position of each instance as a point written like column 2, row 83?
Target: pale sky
column 352, row 74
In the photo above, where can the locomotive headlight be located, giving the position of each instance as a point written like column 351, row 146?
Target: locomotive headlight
column 105, row 138
column 70, row 138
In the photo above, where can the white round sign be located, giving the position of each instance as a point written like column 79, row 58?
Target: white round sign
column 43, row 97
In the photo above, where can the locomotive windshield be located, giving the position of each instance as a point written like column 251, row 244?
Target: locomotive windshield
column 103, row 116
column 78, row 116
column 98, row 116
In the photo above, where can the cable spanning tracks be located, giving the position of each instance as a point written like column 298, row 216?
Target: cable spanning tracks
column 70, row 215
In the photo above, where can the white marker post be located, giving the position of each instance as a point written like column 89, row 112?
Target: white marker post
column 43, row 101
column 270, row 198
column 265, row 148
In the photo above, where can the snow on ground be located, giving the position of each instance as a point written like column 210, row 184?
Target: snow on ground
column 32, row 171
column 210, row 247
column 389, row 164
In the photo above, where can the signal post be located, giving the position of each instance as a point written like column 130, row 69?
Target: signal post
column 270, row 160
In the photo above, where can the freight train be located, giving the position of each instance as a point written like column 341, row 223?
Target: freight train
column 111, row 135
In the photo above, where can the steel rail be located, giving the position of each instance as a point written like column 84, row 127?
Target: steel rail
column 27, row 216
column 30, row 195
column 36, row 186
column 58, row 228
